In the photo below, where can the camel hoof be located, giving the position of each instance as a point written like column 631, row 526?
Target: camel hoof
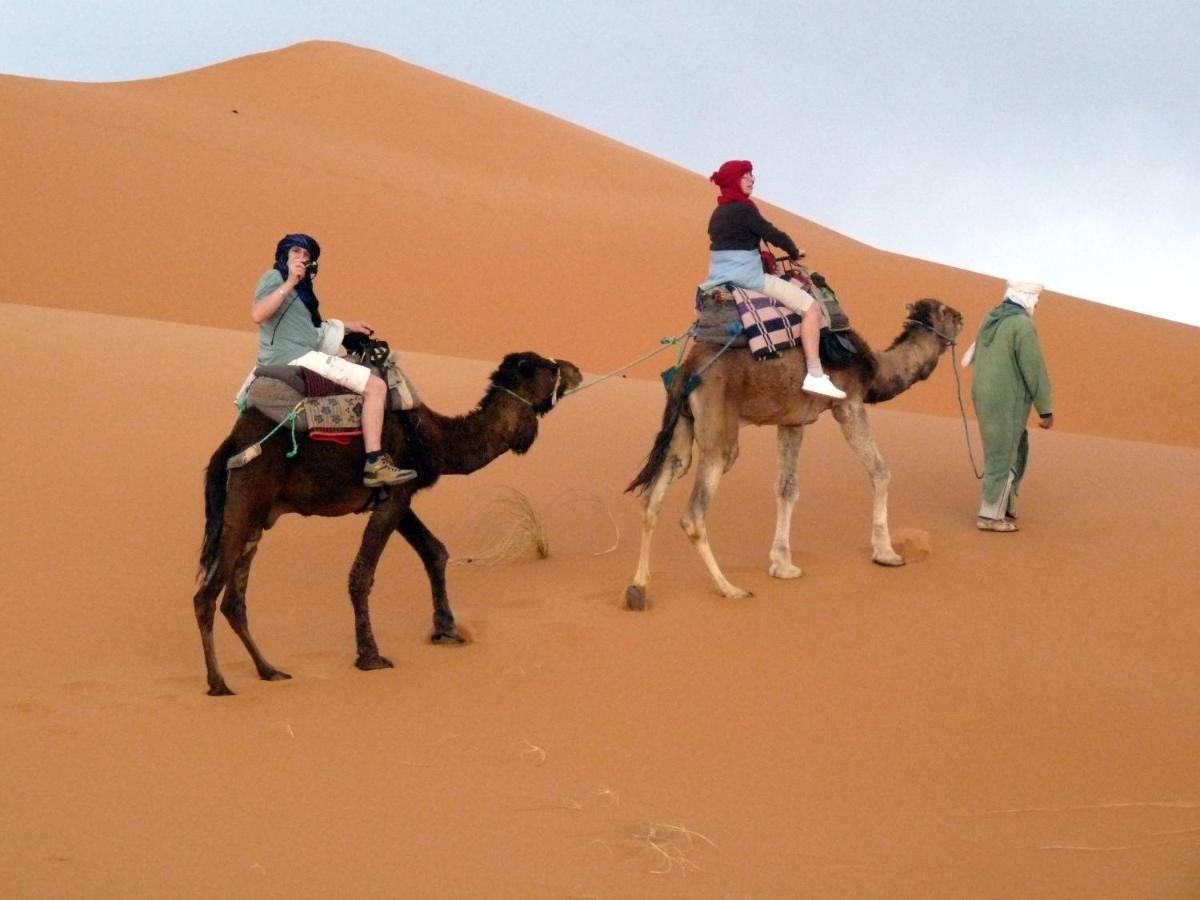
column 888, row 559
column 736, row 593
column 367, row 663
column 447, row 637
column 784, row 570
column 635, row 598
column 275, row 675
column 220, row 690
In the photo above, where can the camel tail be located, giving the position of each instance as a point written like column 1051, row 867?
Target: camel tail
column 676, row 399
column 215, row 488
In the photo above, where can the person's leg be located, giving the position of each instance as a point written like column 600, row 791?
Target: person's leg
column 802, row 303
column 379, row 468
column 372, row 415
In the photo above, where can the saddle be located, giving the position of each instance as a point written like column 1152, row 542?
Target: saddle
column 319, row 407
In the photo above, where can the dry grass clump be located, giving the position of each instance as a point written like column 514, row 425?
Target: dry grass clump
column 671, row 847
column 513, row 530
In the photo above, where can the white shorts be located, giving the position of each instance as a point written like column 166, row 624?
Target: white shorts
column 337, row 369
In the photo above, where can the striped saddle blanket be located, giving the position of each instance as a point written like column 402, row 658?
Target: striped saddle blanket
column 770, row 328
column 741, row 318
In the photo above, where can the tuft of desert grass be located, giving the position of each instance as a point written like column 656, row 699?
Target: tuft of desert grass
column 670, row 846
column 515, row 531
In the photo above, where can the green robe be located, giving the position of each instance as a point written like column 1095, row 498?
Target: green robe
column 1010, row 377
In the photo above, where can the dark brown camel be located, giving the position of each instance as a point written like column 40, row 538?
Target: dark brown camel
column 324, row 480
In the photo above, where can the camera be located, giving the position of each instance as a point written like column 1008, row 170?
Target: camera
column 310, row 268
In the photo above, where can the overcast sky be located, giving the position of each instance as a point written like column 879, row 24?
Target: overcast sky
column 1048, row 141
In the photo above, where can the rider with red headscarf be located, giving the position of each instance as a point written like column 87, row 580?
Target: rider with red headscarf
column 735, row 230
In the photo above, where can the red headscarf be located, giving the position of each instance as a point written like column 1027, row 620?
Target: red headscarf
column 729, row 179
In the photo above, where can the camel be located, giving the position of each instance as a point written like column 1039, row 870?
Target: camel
column 734, row 389
column 324, row 479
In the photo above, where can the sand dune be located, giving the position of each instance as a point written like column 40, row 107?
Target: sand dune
column 436, row 200
column 1007, row 715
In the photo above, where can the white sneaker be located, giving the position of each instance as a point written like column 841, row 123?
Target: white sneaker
column 820, row 384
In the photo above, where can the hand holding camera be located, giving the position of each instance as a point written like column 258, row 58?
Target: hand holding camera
column 296, row 272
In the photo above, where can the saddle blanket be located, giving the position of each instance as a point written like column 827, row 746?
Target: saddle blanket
column 769, row 327
column 277, row 398
column 758, row 321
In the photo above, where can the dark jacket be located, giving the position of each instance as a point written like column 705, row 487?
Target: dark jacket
column 740, row 226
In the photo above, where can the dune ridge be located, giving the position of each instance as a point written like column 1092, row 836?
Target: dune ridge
column 435, row 199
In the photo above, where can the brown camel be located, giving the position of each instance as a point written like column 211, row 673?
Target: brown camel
column 325, row 480
column 734, row 389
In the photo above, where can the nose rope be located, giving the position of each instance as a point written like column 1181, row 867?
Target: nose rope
column 962, row 409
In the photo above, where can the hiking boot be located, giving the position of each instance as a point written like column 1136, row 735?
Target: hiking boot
column 383, row 472
column 820, row 384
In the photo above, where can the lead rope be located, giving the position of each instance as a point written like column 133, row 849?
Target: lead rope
column 962, row 409
column 664, row 342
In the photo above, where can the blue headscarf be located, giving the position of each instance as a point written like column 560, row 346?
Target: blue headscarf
column 304, row 288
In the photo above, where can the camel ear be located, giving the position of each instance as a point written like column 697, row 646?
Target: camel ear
column 909, row 307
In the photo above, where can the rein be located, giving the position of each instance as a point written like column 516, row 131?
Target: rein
column 553, row 391
column 962, row 410
column 664, row 342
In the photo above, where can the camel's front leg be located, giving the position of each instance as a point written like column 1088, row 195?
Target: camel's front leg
column 708, row 476
column 433, row 556
column 362, row 578
column 787, row 488
column 676, row 464
column 857, row 430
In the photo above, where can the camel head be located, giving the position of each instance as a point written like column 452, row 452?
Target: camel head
column 538, row 380
column 935, row 316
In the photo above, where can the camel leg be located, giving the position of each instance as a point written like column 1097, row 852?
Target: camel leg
column 233, row 541
column 787, row 488
column 234, row 608
column 362, row 578
column 857, row 430
column 434, row 556
column 715, row 459
column 676, row 464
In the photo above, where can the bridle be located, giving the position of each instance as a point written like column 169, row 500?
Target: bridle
column 946, row 339
column 554, row 391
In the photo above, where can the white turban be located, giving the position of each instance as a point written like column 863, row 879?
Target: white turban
column 1023, row 293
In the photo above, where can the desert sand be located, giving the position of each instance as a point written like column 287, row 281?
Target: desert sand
column 1006, row 715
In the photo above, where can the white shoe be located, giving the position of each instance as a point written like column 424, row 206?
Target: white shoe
column 820, row 384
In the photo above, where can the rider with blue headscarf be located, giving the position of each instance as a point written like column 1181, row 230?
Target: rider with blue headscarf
column 291, row 332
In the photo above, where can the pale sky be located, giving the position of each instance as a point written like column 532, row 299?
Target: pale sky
column 1042, row 141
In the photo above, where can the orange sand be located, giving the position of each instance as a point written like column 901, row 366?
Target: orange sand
column 1008, row 715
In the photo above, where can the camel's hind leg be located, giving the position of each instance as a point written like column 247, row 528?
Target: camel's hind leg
column 234, row 608
column 679, row 459
column 232, row 547
column 787, row 488
column 718, row 449
column 857, row 430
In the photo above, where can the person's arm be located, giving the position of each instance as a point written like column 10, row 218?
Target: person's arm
column 769, row 233
column 1033, row 369
column 266, row 305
